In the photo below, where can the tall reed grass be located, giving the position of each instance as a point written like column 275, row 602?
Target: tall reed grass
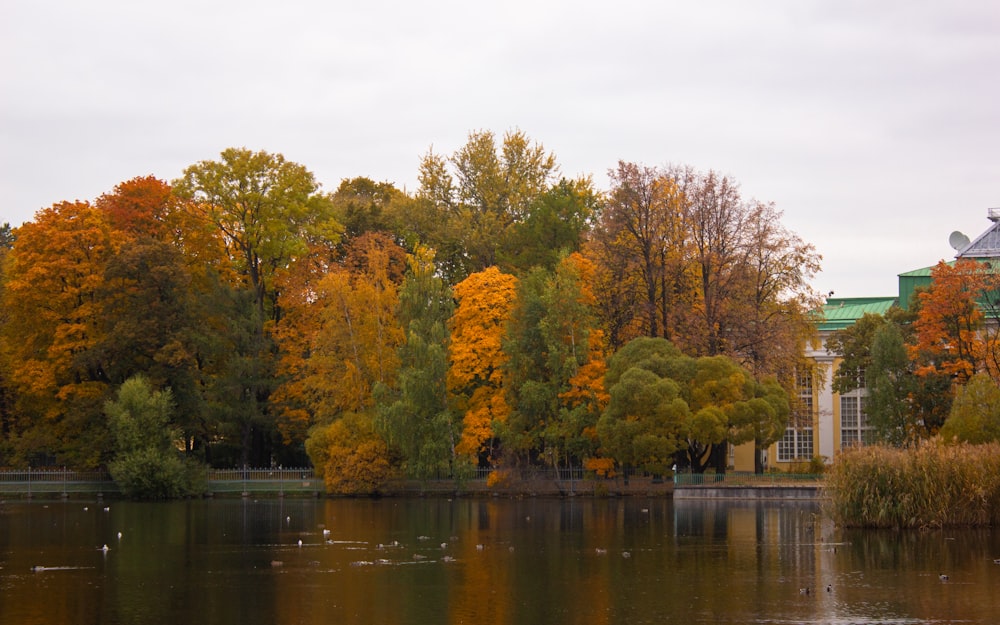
column 933, row 485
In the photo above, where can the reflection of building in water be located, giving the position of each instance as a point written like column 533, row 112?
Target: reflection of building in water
column 823, row 422
column 785, row 535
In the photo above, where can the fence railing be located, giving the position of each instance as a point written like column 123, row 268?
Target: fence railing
column 32, row 482
column 549, row 473
column 740, row 478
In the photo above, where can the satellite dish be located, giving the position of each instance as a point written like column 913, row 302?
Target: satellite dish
column 958, row 241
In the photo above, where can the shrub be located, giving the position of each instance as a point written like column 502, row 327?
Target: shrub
column 146, row 464
column 930, row 486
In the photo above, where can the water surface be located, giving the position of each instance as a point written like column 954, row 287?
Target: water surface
column 526, row 561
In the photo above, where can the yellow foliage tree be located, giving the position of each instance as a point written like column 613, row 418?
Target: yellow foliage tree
column 341, row 342
column 475, row 375
column 352, row 458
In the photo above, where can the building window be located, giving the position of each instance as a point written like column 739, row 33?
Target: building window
column 797, row 442
column 854, row 428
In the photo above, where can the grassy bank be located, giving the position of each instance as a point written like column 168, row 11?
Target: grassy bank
column 931, row 486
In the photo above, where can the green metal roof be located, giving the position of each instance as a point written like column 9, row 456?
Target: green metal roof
column 841, row 312
column 924, row 272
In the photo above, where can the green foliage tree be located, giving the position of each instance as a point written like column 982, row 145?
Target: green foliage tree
column 362, row 206
column 146, row 463
column 890, row 385
column 555, row 226
column 876, row 354
column 711, row 402
column 975, row 412
column 479, row 194
column 645, row 420
column 415, row 417
column 549, row 345
column 267, row 210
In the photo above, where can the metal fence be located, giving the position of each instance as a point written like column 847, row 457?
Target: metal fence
column 47, row 482
column 740, row 478
column 32, row 482
column 279, row 480
column 547, row 473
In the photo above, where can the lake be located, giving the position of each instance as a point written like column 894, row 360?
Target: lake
column 481, row 561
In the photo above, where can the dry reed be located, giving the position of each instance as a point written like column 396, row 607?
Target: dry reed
column 933, row 485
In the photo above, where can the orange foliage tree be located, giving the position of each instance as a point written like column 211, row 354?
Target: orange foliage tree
column 52, row 321
column 951, row 336
column 475, row 374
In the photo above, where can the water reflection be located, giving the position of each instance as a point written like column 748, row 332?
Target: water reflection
column 480, row 561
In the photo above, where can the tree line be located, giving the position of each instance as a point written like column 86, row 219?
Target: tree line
column 500, row 315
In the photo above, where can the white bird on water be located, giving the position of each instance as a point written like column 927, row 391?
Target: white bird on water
column 105, row 548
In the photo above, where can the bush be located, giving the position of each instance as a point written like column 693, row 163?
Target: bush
column 931, row 486
column 146, row 464
column 154, row 474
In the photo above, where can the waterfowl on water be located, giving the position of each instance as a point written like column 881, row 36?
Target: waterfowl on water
column 943, row 577
column 804, row 591
column 829, row 588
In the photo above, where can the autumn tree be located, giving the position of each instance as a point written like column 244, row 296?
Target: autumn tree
column 951, row 336
column 350, row 455
column 52, row 322
column 683, row 256
column 772, row 328
column 642, row 230
column 476, row 369
column 6, row 404
column 415, row 415
column 351, row 334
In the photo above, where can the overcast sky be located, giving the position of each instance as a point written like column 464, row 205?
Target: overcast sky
column 873, row 126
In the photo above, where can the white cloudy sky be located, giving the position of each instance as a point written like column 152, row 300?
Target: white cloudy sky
column 874, row 126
